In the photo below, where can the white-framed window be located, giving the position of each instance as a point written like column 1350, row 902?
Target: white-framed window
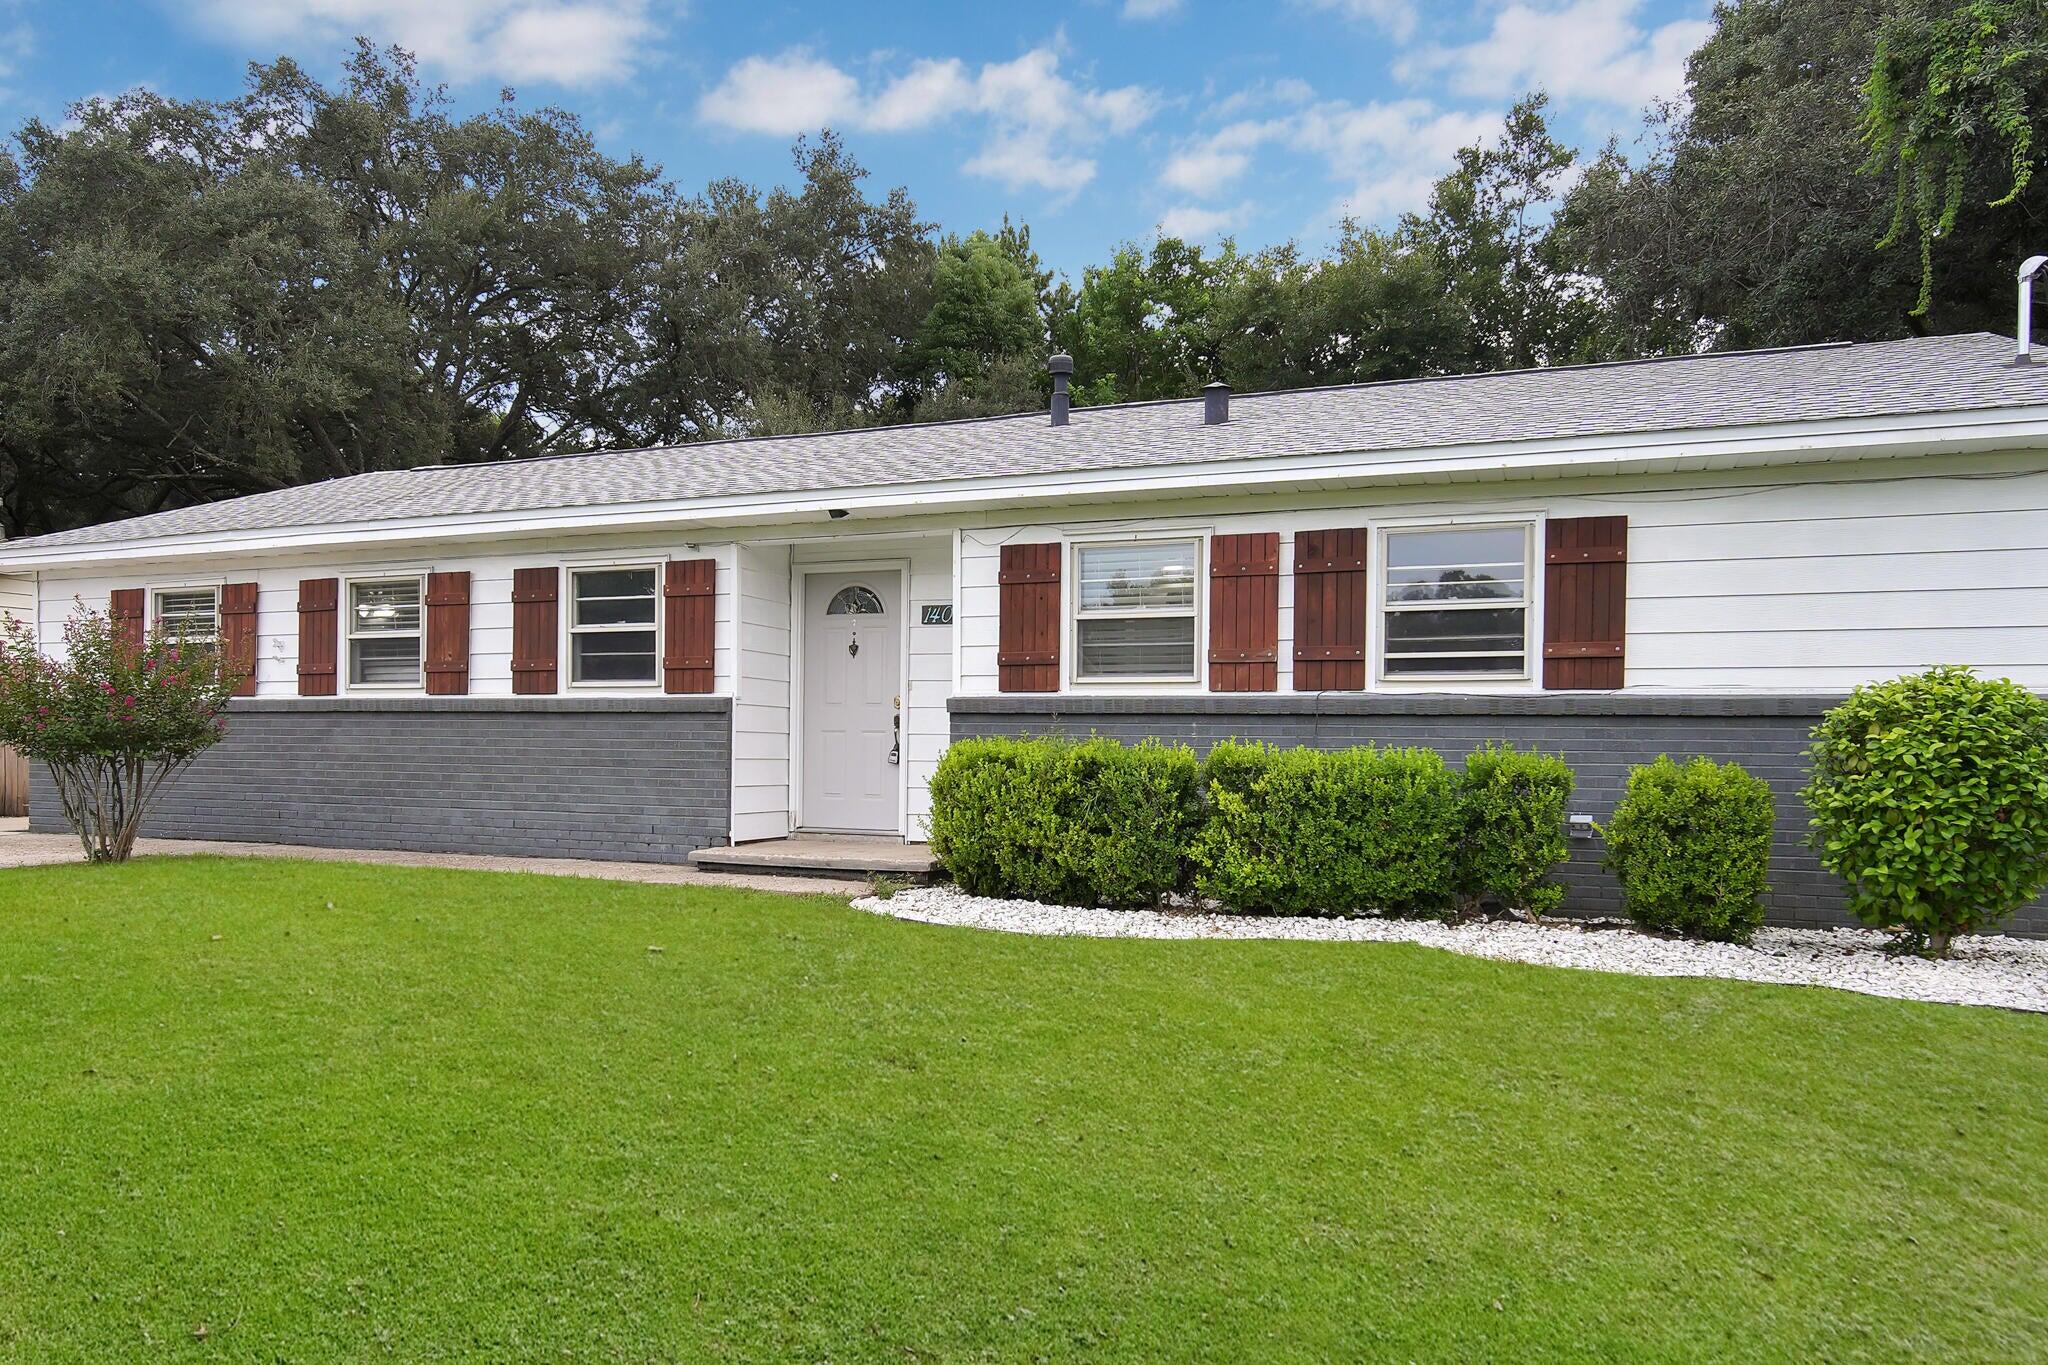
column 384, row 636
column 1136, row 610
column 1455, row 602
column 615, row 625
column 190, row 614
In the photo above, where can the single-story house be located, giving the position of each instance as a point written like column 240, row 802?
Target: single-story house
column 639, row 653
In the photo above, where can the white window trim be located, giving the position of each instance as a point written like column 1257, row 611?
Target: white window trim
column 346, row 665
column 156, row 596
column 570, row 630
column 1070, row 594
column 1530, row 605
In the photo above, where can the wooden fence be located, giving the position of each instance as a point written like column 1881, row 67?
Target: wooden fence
column 13, row 783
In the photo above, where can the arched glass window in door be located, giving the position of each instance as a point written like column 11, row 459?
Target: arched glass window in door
column 854, row 601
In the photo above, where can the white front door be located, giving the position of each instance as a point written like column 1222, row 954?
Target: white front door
column 852, row 695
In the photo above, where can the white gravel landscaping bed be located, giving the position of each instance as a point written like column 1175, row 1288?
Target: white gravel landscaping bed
column 2011, row 973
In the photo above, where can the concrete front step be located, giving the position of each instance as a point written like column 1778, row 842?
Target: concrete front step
column 822, row 856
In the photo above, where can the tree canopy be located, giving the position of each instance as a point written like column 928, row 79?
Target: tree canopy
column 200, row 299
column 1759, row 215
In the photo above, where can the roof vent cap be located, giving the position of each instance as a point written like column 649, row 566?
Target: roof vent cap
column 1215, row 403
column 2025, row 335
column 1061, row 367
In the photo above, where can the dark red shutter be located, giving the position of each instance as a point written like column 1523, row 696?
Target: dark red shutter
column 319, row 599
column 1585, row 602
column 536, row 631
column 1330, row 608
column 1028, row 642
column 126, row 607
column 238, row 633
column 690, row 626
column 447, row 634
column 1244, row 613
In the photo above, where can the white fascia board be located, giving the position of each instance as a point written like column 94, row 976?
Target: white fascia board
column 1962, row 432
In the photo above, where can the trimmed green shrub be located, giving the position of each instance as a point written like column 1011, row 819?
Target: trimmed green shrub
column 1306, row 832
column 1513, row 803
column 1929, row 796
column 1087, row 822
column 1691, row 844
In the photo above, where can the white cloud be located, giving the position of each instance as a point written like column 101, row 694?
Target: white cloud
column 1149, row 9
column 1208, row 167
column 1037, row 122
column 1195, row 223
column 1397, row 17
column 567, row 42
column 1584, row 49
column 791, row 93
column 1023, row 158
column 16, row 43
column 1385, row 155
column 927, row 92
column 1280, row 93
column 1390, row 154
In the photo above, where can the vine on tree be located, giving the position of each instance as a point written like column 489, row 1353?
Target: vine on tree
column 1942, row 88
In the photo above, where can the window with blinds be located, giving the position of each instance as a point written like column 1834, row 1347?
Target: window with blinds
column 384, row 645
column 189, row 614
column 1456, row 603
column 1135, row 606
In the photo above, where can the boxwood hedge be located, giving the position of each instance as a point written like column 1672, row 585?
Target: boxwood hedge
column 1088, row 822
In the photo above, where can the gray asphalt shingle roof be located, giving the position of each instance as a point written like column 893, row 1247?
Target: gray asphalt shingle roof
column 1894, row 378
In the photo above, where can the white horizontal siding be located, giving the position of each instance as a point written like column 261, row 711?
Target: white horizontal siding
column 490, row 597
column 760, row 713
column 18, row 598
column 1793, row 580
column 1815, row 580
column 927, row 725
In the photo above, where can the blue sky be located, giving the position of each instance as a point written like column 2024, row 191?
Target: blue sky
column 1096, row 122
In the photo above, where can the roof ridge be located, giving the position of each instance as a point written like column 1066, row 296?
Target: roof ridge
column 1134, row 403
column 1877, row 381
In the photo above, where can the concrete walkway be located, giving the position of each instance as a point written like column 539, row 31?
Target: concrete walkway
column 18, row 848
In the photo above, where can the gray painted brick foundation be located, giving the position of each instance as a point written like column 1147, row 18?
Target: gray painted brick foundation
column 640, row 779
column 1600, row 735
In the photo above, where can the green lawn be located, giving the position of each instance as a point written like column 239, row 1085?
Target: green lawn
column 338, row 1112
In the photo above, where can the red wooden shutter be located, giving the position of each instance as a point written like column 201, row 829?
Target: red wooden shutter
column 447, row 634
column 238, row 633
column 1244, row 613
column 689, row 625
column 1028, row 641
column 126, row 607
column 1585, row 600
column 319, row 599
column 536, row 631
column 1330, row 608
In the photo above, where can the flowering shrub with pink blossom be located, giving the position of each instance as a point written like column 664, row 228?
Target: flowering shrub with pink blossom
column 113, row 720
